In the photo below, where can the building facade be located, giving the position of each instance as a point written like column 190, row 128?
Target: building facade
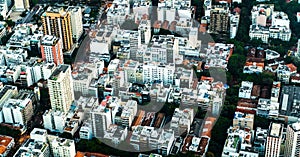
column 61, row 90
column 274, row 140
column 51, row 49
column 76, row 22
column 57, row 22
column 292, row 147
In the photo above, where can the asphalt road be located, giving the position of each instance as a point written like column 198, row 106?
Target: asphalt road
column 83, row 50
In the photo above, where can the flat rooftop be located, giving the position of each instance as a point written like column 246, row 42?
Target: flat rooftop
column 60, row 69
column 275, row 129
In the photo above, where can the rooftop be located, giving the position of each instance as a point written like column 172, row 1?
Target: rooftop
column 275, row 130
column 62, row 68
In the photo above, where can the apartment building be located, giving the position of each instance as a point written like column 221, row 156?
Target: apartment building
column 290, row 101
column 243, row 120
column 103, row 115
column 76, row 22
column 57, row 22
column 292, row 139
column 219, row 19
column 51, row 49
column 269, row 24
column 61, row 90
column 274, row 140
column 61, row 146
column 36, row 145
column 181, row 121
column 17, row 111
column 158, row 72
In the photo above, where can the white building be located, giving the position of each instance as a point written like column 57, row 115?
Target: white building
column 298, row 48
column 117, row 12
column 82, row 76
column 54, row 121
column 60, row 86
column 76, row 22
column 266, row 108
column 279, row 28
column 39, row 134
column 128, row 113
column 245, row 90
column 237, row 141
column 243, row 120
column 292, row 139
column 259, row 33
column 22, row 5
column 101, row 116
column 86, row 131
column 37, row 145
column 234, row 24
column 193, row 37
column 61, row 146
column 274, row 140
column 271, row 54
column 217, row 55
column 141, row 8
column 17, row 111
column 158, row 72
column 116, row 134
column 165, row 141
column 182, row 120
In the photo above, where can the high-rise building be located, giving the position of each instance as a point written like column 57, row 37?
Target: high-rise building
column 274, row 140
column 61, row 88
column 292, row 147
column 144, row 32
column 57, row 22
column 103, row 115
column 51, row 49
column 219, row 19
column 22, row 5
column 76, row 22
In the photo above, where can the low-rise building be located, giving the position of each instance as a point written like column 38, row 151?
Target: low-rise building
column 266, row 108
column 6, row 144
column 243, row 120
column 181, row 121
column 260, row 140
column 245, row 90
column 37, row 145
column 217, row 55
column 237, row 141
column 86, row 131
column 61, row 146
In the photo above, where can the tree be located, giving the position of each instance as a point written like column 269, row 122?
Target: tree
column 24, row 13
column 261, row 122
column 10, row 23
column 129, row 25
column 1, row 18
column 236, row 64
column 210, row 154
column 256, row 42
